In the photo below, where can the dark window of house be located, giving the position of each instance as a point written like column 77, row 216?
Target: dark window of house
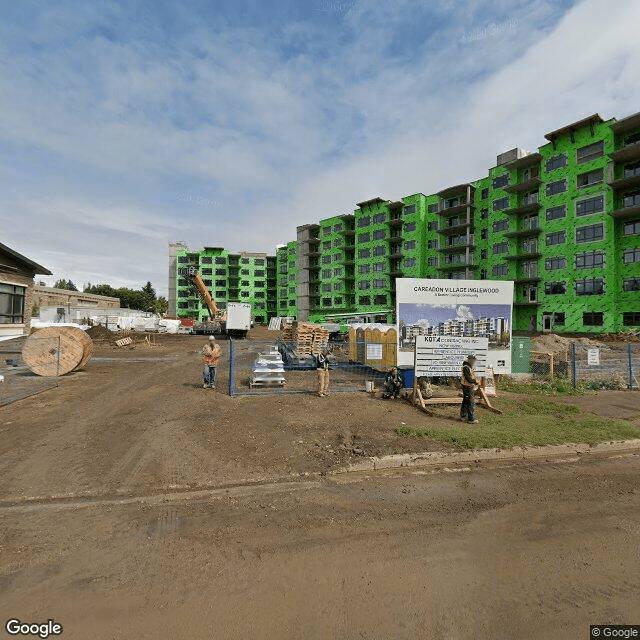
column 593, row 318
column 433, row 226
column 592, row 205
column 326, row 287
column 221, row 283
column 554, row 188
column 410, row 244
column 365, row 284
column 484, row 234
column 11, row 304
column 337, row 286
column 501, row 225
column 326, row 231
column 631, row 284
column 338, row 227
column 183, row 259
column 590, row 152
column 380, row 300
column 501, row 203
column 364, row 268
column 411, row 262
column 500, row 269
column 501, row 247
column 631, row 319
column 365, row 221
column 409, row 209
column 433, row 208
column 337, row 301
column 379, row 266
column 551, row 264
column 432, row 244
column 326, row 259
column 379, row 251
column 364, row 237
column 337, row 272
column 484, row 254
column 632, row 169
column 589, row 178
column 379, row 234
column 326, row 244
column 589, row 259
column 379, row 284
column 244, row 272
column 338, row 257
column 326, row 302
column 558, row 318
column 559, row 237
column 259, row 294
column 484, row 214
column 556, row 162
column 484, row 194
column 221, row 260
column 259, row 262
column 410, row 226
column 591, row 233
column 221, row 272
column 379, row 217
column 501, row 181
column 207, row 272
column 484, row 274
column 364, row 300
column 326, row 273
column 553, row 213
column 433, row 262
column 631, row 255
column 244, row 294
column 590, row 287
column 245, row 261
column 555, row 288
column 632, row 228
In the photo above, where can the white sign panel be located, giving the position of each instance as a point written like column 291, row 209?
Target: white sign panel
column 444, row 355
column 593, row 357
column 455, row 309
column 374, row 351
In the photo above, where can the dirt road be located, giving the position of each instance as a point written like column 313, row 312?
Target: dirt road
column 529, row 551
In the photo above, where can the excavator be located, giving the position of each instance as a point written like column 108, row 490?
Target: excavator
column 235, row 321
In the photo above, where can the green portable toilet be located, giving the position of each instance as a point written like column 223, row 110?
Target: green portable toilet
column 520, row 355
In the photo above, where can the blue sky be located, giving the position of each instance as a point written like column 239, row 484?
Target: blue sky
column 126, row 125
column 412, row 313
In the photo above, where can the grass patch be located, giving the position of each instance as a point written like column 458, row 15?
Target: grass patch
column 556, row 386
column 528, row 421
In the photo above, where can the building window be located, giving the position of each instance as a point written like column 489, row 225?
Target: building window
column 590, row 234
column 501, row 203
column 484, row 194
column 326, row 273
column 590, row 152
column 292, row 290
column 433, row 226
column 379, row 234
column 244, row 272
column 337, row 301
column 379, row 266
column 500, row 225
column 380, row 300
column 589, row 178
column 338, row 257
column 337, row 286
column 244, row 283
column 554, row 188
column 411, row 262
column 326, row 287
column 592, row 318
column 326, row 231
column 244, row 261
column 207, row 272
column 326, row 302
column 183, row 259
column 631, row 284
column 292, row 303
column 220, row 260
column 556, row 162
column 432, row 262
column 432, row 244
column 11, row 304
column 379, row 218
column 501, row 247
column 631, row 255
column 590, row 259
column 365, row 268
column 632, row 169
column 221, row 272
column 337, row 242
column 484, row 254
column 552, row 264
column 555, row 288
column 559, row 237
column 484, row 214
column 244, row 294
column 411, row 208
column 433, row 208
column 484, row 234
column 590, row 287
column 337, row 271
column 365, row 221
column 326, row 244
column 379, row 284
column 558, row 318
column 338, row 227
column 364, row 284
column 364, row 237
column 221, row 283
column 379, row 251
column 484, row 274
column 208, row 260
column 208, row 282
column 631, row 319
column 410, row 244
column 409, row 226
column 326, row 259
column 259, row 294
column 632, row 228
column 364, row 300
column 259, row 273
column 259, row 262
column 553, row 213
column 501, row 181
column 589, row 206
column 500, row 269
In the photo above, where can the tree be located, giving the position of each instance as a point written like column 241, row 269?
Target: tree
column 65, row 284
column 161, row 305
column 149, row 290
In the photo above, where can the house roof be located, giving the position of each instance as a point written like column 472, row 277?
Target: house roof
column 33, row 266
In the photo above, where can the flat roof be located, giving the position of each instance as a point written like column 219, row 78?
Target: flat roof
column 525, row 161
column 82, row 294
column 626, row 124
column 370, row 202
column 591, row 120
column 451, row 191
column 35, row 267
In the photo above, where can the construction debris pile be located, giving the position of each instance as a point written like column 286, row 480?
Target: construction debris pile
column 310, row 338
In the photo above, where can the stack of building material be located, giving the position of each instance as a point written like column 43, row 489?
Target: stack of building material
column 310, row 338
column 268, row 369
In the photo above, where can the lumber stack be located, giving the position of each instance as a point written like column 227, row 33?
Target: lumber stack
column 310, row 338
column 54, row 351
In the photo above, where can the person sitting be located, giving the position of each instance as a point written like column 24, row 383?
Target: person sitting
column 393, row 384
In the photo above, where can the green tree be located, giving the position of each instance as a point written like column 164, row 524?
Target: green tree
column 161, row 305
column 65, row 284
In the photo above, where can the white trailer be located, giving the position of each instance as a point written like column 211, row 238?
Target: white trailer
column 238, row 319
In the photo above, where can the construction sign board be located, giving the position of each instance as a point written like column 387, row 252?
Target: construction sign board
column 593, row 357
column 444, row 355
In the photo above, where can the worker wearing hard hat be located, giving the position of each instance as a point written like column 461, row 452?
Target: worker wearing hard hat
column 469, row 383
column 210, row 357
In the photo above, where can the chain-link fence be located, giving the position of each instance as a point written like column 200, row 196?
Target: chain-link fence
column 279, row 366
column 606, row 366
column 17, row 381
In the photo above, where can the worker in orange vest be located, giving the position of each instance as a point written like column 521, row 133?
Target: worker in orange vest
column 468, row 382
column 210, row 357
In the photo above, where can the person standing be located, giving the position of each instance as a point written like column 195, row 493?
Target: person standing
column 468, row 382
column 210, row 356
column 323, row 373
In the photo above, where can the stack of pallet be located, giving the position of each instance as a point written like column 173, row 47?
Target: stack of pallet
column 310, row 338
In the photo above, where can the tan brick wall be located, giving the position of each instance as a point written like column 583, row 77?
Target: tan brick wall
column 49, row 297
column 23, row 281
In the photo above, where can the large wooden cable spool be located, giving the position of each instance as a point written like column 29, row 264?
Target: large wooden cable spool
column 54, row 351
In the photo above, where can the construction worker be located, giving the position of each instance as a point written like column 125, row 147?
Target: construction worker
column 393, row 383
column 469, row 383
column 323, row 372
column 210, row 356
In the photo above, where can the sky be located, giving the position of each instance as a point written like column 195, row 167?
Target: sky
column 412, row 313
column 126, row 125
